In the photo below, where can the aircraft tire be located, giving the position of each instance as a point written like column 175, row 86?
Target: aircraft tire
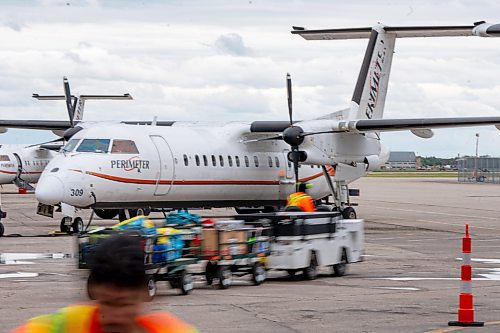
column 2, row 229
column 349, row 213
column 77, row 225
column 106, row 214
column 63, row 226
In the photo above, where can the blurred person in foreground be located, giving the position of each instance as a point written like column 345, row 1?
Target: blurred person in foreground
column 117, row 284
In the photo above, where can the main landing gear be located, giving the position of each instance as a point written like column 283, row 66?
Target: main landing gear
column 340, row 194
column 2, row 228
column 69, row 225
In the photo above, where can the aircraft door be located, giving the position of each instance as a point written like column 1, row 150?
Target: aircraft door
column 165, row 173
column 286, row 178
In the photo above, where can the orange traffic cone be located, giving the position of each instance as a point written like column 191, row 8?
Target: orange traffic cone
column 466, row 302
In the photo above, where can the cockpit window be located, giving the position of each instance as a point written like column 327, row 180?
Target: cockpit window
column 93, row 146
column 4, row 158
column 124, row 147
column 70, row 145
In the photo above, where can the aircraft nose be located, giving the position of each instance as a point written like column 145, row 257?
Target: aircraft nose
column 50, row 190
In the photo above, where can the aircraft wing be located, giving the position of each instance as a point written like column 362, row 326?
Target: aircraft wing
column 62, row 125
column 36, row 124
column 419, row 123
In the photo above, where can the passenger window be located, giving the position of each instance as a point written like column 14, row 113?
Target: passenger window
column 214, row 161
column 70, row 145
column 186, row 160
column 221, row 159
column 256, row 161
column 205, row 160
column 93, row 146
column 247, row 163
column 197, row 160
column 237, row 160
column 277, row 161
column 4, row 158
column 124, row 147
column 270, row 161
column 230, row 161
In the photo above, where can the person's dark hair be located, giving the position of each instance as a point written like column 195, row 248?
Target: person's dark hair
column 302, row 187
column 119, row 261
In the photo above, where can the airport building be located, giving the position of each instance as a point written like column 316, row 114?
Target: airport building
column 480, row 169
column 402, row 160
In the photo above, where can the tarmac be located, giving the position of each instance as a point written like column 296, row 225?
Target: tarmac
column 409, row 280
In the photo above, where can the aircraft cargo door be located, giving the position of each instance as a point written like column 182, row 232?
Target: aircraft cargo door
column 165, row 172
column 286, row 178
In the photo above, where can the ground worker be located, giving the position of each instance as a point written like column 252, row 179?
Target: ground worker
column 118, row 285
column 301, row 199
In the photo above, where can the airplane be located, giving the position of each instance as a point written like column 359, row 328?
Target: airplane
column 21, row 164
column 191, row 164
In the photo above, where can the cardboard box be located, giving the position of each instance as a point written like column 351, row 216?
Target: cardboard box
column 210, row 246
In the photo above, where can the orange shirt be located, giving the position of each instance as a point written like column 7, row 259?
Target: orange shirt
column 83, row 319
column 301, row 200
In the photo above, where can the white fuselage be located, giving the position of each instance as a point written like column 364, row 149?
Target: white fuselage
column 24, row 162
column 183, row 166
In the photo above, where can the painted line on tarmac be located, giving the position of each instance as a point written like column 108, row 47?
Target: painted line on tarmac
column 454, row 329
column 437, row 213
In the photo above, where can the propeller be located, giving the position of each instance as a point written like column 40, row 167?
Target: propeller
column 293, row 134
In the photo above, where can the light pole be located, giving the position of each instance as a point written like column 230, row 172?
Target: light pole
column 475, row 159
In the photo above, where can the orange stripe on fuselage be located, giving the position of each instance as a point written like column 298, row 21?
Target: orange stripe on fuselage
column 196, row 182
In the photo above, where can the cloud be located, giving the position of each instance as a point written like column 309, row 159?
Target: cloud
column 232, row 44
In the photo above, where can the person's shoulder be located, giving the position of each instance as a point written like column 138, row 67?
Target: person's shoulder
column 46, row 323
column 164, row 322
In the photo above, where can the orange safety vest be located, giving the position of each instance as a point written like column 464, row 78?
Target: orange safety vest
column 301, row 200
column 82, row 319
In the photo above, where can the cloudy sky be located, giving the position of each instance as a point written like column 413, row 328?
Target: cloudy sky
column 227, row 60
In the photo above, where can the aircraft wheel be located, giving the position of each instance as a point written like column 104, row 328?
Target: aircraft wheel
column 349, row 213
column 225, row 277
column 186, row 282
column 341, row 268
column 77, row 225
column 106, row 214
column 63, row 226
column 2, row 229
column 311, row 272
column 258, row 273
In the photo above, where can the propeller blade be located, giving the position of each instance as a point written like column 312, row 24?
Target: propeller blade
column 289, row 94
column 69, row 104
column 295, row 161
column 279, row 137
column 47, row 143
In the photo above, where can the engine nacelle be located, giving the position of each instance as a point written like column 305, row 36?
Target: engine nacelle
column 373, row 162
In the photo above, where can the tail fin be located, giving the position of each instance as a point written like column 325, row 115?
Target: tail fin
column 369, row 95
column 76, row 104
column 371, row 88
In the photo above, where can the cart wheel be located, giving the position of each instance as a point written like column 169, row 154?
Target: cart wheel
column 341, row 268
column 186, row 283
column 210, row 272
column 311, row 272
column 291, row 272
column 151, row 287
column 258, row 273
column 225, row 277
column 2, row 229
column 77, row 225
column 63, row 226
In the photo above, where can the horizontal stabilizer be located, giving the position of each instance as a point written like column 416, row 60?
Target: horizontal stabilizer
column 481, row 29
